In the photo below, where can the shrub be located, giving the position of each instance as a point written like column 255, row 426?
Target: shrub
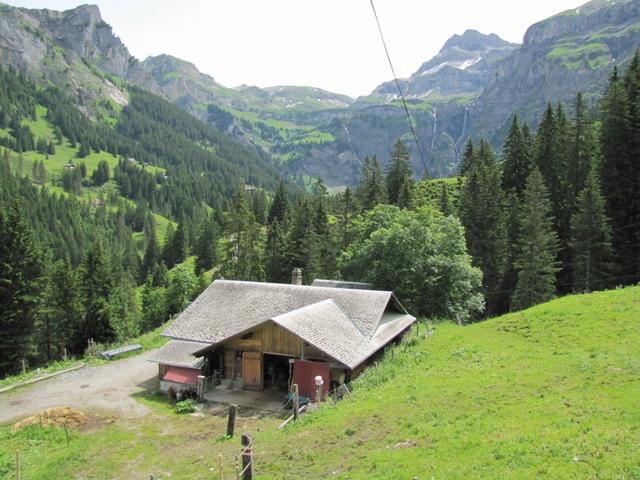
column 185, row 406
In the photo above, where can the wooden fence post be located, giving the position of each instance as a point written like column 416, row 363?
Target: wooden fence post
column 66, row 433
column 247, row 457
column 24, row 367
column 221, row 466
column 200, row 387
column 296, row 402
column 17, row 464
column 231, row 422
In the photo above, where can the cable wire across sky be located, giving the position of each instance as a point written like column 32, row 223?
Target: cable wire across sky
column 395, row 78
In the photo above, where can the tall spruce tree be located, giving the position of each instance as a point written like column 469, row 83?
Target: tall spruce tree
column 206, row 247
column 62, row 313
column 516, row 159
column 468, row 158
column 372, row 189
column 619, row 184
column 537, row 244
column 276, row 261
column 583, row 148
column 280, row 206
column 20, row 279
column 96, row 285
column 481, row 208
column 398, row 171
column 151, row 252
column 244, row 262
column 591, row 238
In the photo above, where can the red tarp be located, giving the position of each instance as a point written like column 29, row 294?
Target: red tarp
column 304, row 374
column 188, row 376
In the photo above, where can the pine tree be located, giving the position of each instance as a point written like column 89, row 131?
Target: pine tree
column 619, row 185
column 537, row 246
column 151, row 252
column 277, row 264
column 300, row 241
column 516, row 160
column 372, row 190
column 95, row 288
column 206, row 247
column 398, row 171
column 468, row 158
column 583, row 148
column 346, row 218
column 406, row 194
column 175, row 250
column 62, row 313
column 280, row 205
column 481, row 208
column 445, row 205
column 591, row 238
column 244, row 262
column 20, row 278
column 259, row 206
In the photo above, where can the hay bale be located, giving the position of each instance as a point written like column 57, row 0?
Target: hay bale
column 54, row 417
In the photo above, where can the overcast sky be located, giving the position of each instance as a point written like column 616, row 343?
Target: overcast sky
column 331, row 44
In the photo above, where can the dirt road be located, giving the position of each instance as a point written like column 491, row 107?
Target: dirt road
column 107, row 388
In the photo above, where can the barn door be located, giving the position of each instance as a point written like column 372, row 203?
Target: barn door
column 252, row 370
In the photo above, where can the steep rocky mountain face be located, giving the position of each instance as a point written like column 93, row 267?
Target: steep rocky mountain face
column 75, row 50
column 471, row 88
column 461, row 69
column 570, row 52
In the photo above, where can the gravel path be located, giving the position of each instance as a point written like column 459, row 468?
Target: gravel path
column 105, row 388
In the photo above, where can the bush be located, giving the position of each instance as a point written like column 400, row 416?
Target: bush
column 185, row 406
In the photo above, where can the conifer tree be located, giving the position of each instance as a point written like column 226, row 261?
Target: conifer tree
column 245, row 262
column 406, row 194
column 537, row 245
column 206, row 247
column 372, row 190
column 280, row 205
column 20, row 279
column 62, row 312
column 619, row 185
column 481, row 208
column 300, row 241
column 591, row 238
column 516, row 159
column 583, row 148
column 346, row 217
column 468, row 158
column 175, row 249
column 151, row 252
column 276, row 261
column 95, row 288
column 259, row 206
column 398, row 171
column 445, row 205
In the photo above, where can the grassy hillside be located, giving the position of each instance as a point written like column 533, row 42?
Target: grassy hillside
column 551, row 392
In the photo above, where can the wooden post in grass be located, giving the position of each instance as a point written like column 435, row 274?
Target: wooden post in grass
column 296, row 402
column 24, row 367
column 247, row 457
column 220, row 467
column 17, row 464
column 66, row 433
column 231, row 422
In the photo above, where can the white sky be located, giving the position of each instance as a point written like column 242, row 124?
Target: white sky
column 331, row 44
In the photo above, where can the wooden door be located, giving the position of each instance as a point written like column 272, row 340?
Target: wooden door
column 252, row 370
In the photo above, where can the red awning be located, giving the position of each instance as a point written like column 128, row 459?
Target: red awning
column 188, row 376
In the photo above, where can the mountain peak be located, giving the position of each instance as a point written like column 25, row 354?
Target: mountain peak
column 474, row 40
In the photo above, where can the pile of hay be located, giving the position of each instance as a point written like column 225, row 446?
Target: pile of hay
column 54, row 417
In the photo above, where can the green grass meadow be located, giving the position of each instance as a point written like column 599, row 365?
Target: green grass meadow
column 551, row 392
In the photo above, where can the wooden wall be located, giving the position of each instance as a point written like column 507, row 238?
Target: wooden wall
column 271, row 338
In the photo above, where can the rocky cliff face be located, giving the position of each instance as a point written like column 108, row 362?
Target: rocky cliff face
column 461, row 69
column 570, row 52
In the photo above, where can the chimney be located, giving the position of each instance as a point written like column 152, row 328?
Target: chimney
column 296, row 276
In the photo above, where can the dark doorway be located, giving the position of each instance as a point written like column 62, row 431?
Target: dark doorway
column 276, row 372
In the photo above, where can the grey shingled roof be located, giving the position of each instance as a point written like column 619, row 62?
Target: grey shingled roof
column 325, row 326
column 227, row 308
column 179, row 353
column 318, row 282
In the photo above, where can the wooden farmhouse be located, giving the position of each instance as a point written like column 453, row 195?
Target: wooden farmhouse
column 268, row 335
